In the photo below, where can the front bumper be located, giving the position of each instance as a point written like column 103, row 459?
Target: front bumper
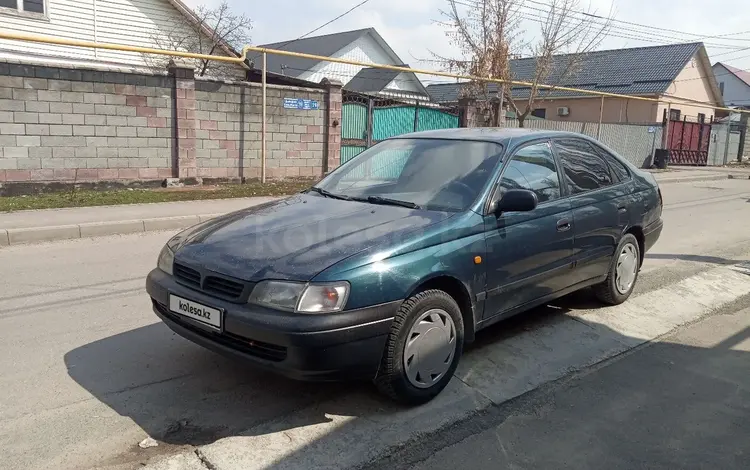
column 344, row 345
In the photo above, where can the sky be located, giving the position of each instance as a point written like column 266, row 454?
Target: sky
column 412, row 27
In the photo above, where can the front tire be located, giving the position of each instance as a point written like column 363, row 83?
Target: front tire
column 423, row 348
column 623, row 272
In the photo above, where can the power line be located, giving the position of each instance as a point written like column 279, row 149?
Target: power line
column 640, row 33
column 641, row 25
column 632, row 33
column 730, row 34
column 732, row 52
column 621, row 35
column 540, row 19
column 323, row 25
column 716, row 55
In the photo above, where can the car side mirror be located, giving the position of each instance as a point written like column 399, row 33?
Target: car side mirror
column 517, row 200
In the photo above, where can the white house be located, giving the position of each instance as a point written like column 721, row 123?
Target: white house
column 125, row 22
column 734, row 84
column 363, row 45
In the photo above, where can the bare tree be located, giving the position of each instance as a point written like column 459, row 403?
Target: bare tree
column 488, row 34
column 212, row 31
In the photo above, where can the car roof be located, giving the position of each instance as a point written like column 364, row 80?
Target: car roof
column 491, row 134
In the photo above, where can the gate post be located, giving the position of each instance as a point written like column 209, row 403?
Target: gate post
column 416, row 115
column 370, row 124
column 332, row 145
column 729, row 134
column 184, row 162
column 743, row 136
column 468, row 112
column 667, row 120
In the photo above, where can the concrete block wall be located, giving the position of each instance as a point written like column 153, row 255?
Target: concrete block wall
column 67, row 124
column 228, row 131
column 75, row 125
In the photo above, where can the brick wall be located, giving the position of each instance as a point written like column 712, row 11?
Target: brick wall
column 66, row 125
column 228, row 132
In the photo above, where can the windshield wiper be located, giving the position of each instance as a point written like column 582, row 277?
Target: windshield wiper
column 325, row 193
column 388, row 201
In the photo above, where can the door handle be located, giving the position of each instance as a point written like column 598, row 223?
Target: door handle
column 622, row 209
column 563, row 225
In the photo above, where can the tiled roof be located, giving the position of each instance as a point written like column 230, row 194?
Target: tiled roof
column 635, row 71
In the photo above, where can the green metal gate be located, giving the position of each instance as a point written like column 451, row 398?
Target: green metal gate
column 366, row 120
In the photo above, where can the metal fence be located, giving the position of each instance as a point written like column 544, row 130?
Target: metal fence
column 366, row 120
column 635, row 142
column 723, row 150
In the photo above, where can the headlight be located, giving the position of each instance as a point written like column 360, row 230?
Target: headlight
column 277, row 294
column 323, row 298
column 166, row 260
column 302, row 298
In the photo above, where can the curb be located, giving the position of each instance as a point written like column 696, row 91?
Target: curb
column 690, row 179
column 19, row 236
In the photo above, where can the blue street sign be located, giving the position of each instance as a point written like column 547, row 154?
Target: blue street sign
column 299, row 103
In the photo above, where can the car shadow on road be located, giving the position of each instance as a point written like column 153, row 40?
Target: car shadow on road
column 182, row 394
column 694, row 258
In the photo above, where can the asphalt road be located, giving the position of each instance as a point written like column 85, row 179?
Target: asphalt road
column 87, row 371
column 683, row 402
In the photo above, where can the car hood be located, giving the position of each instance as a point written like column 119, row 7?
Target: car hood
column 295, row 238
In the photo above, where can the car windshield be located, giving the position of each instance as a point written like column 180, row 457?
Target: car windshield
column 433, row 174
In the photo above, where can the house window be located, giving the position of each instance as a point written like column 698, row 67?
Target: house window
column 675, row 114
column 721, row 88
column 540, row 113
column 25, row 6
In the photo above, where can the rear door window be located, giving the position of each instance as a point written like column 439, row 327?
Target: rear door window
column 584, row 169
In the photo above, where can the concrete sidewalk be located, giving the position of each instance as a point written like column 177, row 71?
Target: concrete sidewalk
column 81, row 222
column 61, row 224
column 690, row 174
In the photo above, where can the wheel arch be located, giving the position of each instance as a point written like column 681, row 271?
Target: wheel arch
column 454, row 287
column 637, row 232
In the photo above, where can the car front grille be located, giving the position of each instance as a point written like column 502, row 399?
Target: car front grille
column 187, row 275
column 221, row 286
column 212, row 284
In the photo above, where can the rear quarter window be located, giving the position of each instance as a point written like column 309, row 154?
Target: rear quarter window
column 619, row 170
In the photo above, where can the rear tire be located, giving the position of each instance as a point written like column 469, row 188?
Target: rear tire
column 423, row 348
column 623, row 272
